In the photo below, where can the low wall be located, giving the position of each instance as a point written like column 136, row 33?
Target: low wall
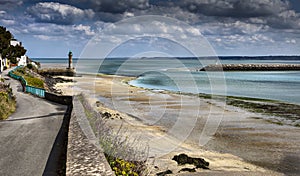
column 61, row 99
column 84, row 155
column 57, row 72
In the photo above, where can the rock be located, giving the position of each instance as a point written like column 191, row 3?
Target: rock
column 98, row 104
column 164, row 173
column 106, row 115
column 188, row 170
column 183, row 159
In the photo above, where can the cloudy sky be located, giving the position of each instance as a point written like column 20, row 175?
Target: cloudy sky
column 232, row 27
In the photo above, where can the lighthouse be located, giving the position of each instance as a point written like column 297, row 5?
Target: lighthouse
column 70, row 59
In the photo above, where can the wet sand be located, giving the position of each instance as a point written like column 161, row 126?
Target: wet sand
column 173, row 123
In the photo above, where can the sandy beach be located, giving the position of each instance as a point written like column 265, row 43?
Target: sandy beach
column 231, row 139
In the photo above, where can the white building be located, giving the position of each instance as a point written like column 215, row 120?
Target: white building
column 22, row 61
column 1, row 64
column 15, row 43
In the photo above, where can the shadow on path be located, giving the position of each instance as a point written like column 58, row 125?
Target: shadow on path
column 56, row 163
column 37, row 117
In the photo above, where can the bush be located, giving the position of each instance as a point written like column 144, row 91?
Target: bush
column 125, row 154
column 7, row 104
column 29, row 66
column 122, row 167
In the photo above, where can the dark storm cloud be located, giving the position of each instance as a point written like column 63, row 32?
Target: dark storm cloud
column 285, row 20
column 275, row 13
column 108, row 6
column 108, row 17
column 51, row 12
column 121, row 5
column 10, row 4
column 228, row 24
column 229, row 8
column 103, row 10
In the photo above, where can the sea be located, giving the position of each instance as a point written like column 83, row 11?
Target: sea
column 183, row 75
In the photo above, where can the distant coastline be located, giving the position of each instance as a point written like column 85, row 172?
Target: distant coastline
column 279, row 57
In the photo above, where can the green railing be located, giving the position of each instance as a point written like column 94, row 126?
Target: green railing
column 26, row 88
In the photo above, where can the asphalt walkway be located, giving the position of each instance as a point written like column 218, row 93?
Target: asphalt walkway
column 27, row 136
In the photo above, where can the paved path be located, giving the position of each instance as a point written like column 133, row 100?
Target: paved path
column 27, row 136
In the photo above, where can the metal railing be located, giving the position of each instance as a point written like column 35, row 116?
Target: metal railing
column 26, row 88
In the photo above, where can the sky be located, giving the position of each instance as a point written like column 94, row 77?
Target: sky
column 232, row 27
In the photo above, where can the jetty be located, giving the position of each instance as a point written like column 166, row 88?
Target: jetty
column 251, row 67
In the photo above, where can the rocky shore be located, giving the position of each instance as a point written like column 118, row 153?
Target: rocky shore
column 251, row 67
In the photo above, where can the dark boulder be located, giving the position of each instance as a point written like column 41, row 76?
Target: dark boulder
column 164, row 173
column 183, row 159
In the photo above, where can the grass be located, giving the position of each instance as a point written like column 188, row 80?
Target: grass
column 30, row 79
column 7, row 104
column 123, row 152
column 34, row 82
column 7, row 100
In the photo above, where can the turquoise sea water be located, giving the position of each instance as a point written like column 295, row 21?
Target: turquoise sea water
column 181, row 75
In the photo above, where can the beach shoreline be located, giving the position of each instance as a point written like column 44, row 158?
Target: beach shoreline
column 109, row 89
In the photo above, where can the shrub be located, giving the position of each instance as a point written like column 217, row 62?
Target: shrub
column 122, row 167
column 29, row 66
column 125, row 154
column 7, row 104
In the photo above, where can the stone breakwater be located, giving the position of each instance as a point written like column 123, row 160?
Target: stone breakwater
column 251, row 67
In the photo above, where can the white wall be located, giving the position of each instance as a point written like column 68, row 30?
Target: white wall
column 22, row 61
column 1, row 64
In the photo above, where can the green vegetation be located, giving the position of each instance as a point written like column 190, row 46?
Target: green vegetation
column 263, row 106
column 8, row 51
column 30, row 79
column 122, row 167
column 125, row 154
column 7, row 101
column 34, row 82
column 273, row 108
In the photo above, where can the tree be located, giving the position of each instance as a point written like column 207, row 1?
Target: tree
column 8, row 51
column 5, row 37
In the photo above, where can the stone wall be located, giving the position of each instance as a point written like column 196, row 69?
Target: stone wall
column 84, row 154
column 57, row 72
